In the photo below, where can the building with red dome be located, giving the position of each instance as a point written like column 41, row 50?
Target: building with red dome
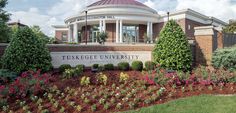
column 126, row 21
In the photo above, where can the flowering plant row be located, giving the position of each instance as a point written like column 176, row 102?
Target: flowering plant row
column 29, row 82
column 201, row 76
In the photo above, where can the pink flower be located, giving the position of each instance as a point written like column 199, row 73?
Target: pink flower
column 149, row 80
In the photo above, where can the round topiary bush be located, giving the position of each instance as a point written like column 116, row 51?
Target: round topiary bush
column 137, row 65
column 124, row 66
column 225, row 58
column 109, row 67
column 63, row 67
column 25, row 52
column 149, row 65
column 172, row 50
column 79, row 69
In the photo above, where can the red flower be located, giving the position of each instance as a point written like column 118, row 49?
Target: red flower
column 2, row 87
column 11, row 90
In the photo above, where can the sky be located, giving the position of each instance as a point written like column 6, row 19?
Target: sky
column 46, row 13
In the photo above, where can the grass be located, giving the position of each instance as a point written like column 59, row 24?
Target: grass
column 197, row 104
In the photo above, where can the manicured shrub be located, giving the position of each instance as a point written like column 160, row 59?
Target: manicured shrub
column 26, row 52
column 137, row 65
column 109, row 67
column 124, row 66
column 224, row 58
column 79, row 69
column 172, row 50
column 101, row 68
column 95, row 66
column 149, row 65
column 63, row 67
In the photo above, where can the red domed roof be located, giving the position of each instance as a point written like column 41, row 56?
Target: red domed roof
column 117, row 2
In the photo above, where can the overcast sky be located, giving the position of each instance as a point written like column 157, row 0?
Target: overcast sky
column 52, row 12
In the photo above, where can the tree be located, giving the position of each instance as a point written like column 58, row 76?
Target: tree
column 102, row 37
column 231, row 28
column 36, row 29
column 26, row 52
column 172, row 51
column 4, row 18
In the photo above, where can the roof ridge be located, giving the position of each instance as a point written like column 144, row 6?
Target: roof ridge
column 117, row 2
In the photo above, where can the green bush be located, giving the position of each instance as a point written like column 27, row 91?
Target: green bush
column 124, row 66
column 79, row 69
column 101, row 68
column 95, row 66
column 149, row 65
column 137, row 65
column 26, row 52
column 7, row 76
column 109, row 67
column 224, row 58
column 172, row 50
column 63, row 67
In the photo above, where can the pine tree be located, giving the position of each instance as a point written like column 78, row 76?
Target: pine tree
column 172, row 51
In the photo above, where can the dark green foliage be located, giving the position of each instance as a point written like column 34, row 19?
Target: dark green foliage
column 5, row 33
column 137, row 65
column 149, row 65
column 4, row 18
column 63, row 67
column 231, row 28
column 101, row 68
column 95, row 66
column 79, row 69
column 102, row 37
column 172, row 51
column 124, row 66
column 40, row 34
column 26, row 52
column 7, row 76
column 224, row 58
column 109, row 67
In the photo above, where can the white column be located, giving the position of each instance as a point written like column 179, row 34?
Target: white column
column 148, row 30
column 104, row 25
column 69, row 34
column 151, row 32
column 100, row 26
column 121, row 31
column 75, row 33
column 117, row 31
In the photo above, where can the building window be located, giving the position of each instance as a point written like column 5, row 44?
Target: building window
column 189, row 27
column 64, row 36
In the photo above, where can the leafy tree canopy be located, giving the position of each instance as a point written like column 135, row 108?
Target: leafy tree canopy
column 231, row 28
column 38, row 32
column 4, row 18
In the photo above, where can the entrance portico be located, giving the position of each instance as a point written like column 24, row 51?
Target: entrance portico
column 119, row 30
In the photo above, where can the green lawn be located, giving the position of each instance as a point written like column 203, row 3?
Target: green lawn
column 198, row 104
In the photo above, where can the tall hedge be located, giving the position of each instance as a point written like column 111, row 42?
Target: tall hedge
column 225, row 58
column 25, row 52
column 172, row 50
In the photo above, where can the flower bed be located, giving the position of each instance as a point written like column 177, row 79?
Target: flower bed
column 113, row 91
